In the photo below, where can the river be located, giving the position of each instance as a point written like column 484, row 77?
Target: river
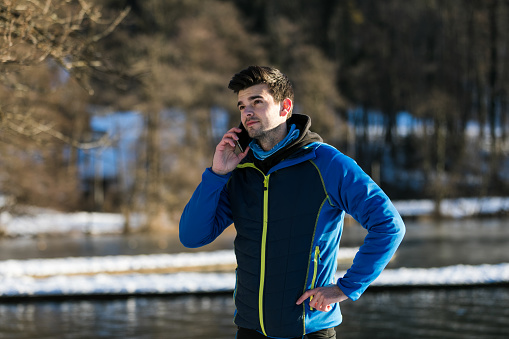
column 480, row 312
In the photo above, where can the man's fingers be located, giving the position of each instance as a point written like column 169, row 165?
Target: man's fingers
column 318, row 300
column 227, row 140
column 231, row 137
column 225, row 159
column 320, row 304
column 322, row 298
column 306, row 295
column 232, row 133
column 235, row 129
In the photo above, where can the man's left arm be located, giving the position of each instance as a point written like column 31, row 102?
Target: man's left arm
column 358, row 195
column 365, row 201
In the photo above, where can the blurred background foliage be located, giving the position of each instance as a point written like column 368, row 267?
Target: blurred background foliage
column 415, row 90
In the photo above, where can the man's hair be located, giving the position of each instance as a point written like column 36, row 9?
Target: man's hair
column 279, row 85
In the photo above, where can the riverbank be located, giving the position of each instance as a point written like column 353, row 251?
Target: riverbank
column 449, row 253
column 173, row 274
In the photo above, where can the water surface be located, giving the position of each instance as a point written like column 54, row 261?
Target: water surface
column 480, row 312
column 416, row 313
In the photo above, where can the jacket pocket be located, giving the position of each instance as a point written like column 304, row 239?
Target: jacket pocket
column 316, row 259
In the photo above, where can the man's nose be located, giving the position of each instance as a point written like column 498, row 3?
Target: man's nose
column 248, row 111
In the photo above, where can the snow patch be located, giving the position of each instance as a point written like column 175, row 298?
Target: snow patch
column 18, row 277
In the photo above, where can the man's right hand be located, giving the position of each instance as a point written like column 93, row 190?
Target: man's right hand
column 225, row 160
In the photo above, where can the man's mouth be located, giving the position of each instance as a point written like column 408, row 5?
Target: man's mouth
column 251, row 122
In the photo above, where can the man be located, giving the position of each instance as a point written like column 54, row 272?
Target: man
column 287, row 194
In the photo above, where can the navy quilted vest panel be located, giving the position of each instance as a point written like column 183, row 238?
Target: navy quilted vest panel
column 272, row 271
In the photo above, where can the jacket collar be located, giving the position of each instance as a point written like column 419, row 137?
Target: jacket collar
column 295, row 149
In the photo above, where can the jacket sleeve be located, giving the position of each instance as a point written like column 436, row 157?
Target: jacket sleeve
column 208, row 212
column 358, row 195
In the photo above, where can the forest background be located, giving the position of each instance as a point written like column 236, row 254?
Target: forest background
column 416, row 91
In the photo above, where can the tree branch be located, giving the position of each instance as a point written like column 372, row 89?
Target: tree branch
column 29, row 127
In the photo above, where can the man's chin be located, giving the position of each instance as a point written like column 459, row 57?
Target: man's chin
column 253, row 133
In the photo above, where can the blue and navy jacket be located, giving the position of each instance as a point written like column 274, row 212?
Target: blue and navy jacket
column 289, row 220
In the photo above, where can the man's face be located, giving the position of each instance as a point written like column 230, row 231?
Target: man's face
column 259, row 112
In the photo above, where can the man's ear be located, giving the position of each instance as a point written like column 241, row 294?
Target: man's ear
column 286, row 107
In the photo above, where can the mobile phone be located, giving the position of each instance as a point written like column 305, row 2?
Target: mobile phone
column 244, row 139
column 239, row 146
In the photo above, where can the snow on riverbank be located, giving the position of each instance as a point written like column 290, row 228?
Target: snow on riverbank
column 124, row 263
column 113, row 264
column 190, row 282
column 51, row 222
column 445, row 276
column 98, row 275
column 455, row 208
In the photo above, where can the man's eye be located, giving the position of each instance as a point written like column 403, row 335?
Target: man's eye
column 257, row 102
column 241, row 108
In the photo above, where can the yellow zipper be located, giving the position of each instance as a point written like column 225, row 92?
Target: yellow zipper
column 315, row 270
column 264, row 241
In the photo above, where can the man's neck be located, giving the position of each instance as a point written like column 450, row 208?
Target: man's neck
column 273, row 137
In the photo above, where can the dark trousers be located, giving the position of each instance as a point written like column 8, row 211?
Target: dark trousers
column 328, row 333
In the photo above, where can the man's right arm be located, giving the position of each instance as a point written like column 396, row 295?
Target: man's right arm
column 208, row 212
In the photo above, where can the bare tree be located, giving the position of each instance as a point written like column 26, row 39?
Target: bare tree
column 34, row 32
column 46, row 58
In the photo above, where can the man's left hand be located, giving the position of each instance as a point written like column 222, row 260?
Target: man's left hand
column 323, row 297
